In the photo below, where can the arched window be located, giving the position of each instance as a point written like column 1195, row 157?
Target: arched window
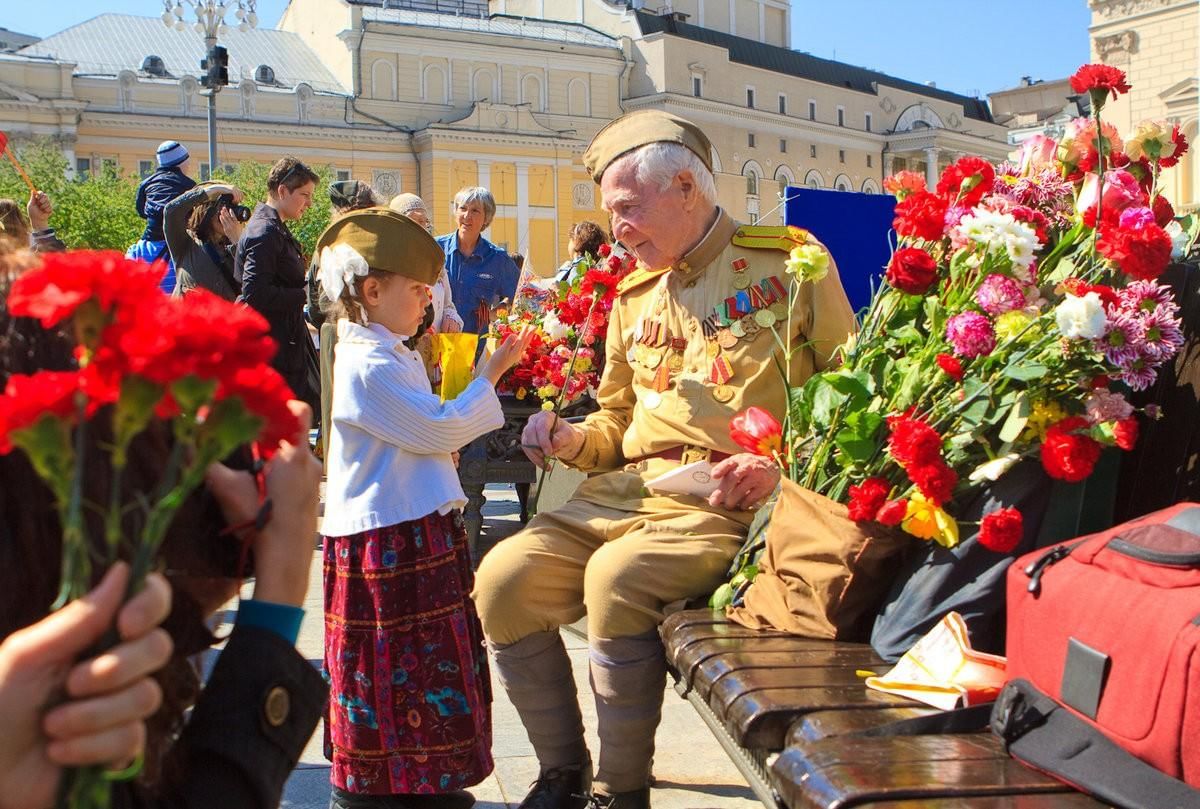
column 869, row 186
column 842, row 183
column 383, row 80
column 483, row 87
column 784, row 176
column 753, row 173
column 531, row 92
column 579, row 100
column 814, row 179
column 433, row 85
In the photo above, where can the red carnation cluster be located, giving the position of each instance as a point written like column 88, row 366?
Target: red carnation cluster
column 917, row 447
column 1068, row 454
column 1001, row 530
column 965, row 181
column 912, row 270
column 1142, row 253
column 1103, row 78
column 921, row 215
column 868, row 501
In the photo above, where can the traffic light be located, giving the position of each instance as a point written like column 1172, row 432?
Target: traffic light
column 216, row 68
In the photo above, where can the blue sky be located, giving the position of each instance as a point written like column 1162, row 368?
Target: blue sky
column 966, row 46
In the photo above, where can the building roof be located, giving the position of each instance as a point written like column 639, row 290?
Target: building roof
column 498, row 24
column 110, row 43
column 462, row 8
column 805, row 66
column 13, row 40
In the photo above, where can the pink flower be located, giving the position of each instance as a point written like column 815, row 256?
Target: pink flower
column 999, row 294
column 1136, row 218
column 1036, row 153
column 1103, row 405
column 971, row 334
column 1123, row 338
column 1138, row 374
column 1120, row 191
column 1147, row 296
column 1161, row 334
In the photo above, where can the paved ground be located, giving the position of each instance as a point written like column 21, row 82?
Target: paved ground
column 690, row 769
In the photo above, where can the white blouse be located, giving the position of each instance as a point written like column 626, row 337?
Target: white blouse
column 391, row 437
column 443, row 302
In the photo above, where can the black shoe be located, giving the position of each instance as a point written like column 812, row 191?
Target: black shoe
column 635, row 799
column 341, row 799
column 560, row 788
column 459, row 799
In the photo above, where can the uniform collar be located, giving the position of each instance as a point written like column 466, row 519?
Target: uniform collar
column 708, row 248
column 483, row 247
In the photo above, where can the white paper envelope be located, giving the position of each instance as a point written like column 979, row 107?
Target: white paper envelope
column 694, row 478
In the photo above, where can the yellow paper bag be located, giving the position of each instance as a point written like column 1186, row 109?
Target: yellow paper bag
column 456, row 357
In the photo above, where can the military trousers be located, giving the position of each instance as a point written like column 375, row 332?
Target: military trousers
column 614, row 552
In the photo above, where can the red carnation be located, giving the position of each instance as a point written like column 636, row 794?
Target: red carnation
column 599, row 282
column 27, row 398
column 604, row 250
column 912, row 270
column 867, row 498
column 1001, row 531
column 921, row 215
column 1163, row 212
column 1181, row 146
column 913, row 442
column 1066, row 455
column 1142, row 254
column 1037, row 219
column 950, row 365
column 1103, row 79
column 935, row 480
column 892, row 512
column 265, row 394
column 965, row 181
column 1125, row 432
column 1078, row 287
column 64, row 281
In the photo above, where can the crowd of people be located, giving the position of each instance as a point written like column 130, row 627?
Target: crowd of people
column 409, row 624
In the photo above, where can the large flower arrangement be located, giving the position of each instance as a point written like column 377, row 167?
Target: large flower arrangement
column 199, row 363
column 566, row 357
column 1018, row 306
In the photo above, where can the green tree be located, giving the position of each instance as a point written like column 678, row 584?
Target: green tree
column 251, row 178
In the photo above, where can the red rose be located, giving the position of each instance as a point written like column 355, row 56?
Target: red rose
column 1104, row 78
column 1142, row 254
column 1163, row 212
column 950, row 365
column 1066, row 455
column 912, row 270
column 892, row 512
column 935, row 480
column 921, row 215
column 912, row 441
column 1181, row 146
column 1001, row 531
column 965, row 181
column 867, row 498
column 27, row 398
column 1125, row 432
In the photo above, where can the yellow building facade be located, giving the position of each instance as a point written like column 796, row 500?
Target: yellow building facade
column 505, row 96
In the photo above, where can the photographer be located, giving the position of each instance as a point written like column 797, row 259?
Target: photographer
column 202, row 227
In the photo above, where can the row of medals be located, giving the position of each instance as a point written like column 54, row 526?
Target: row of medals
column 740, row 316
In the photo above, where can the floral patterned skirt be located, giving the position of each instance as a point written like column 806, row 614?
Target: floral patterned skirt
column 410, row 696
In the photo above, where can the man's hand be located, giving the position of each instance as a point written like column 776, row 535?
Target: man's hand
column 539, row 443
column 745, row 480
column 107, row 697
column 39, row 210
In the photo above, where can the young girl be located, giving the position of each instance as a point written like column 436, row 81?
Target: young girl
column 409, row 721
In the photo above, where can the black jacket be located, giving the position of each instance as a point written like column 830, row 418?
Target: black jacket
column 154, row 193
column 269, row 264
column 247, row 731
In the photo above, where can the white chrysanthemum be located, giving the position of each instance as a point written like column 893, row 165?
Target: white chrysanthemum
column 1000, row 231
column 341, row 264
column 1081, row 317
column 555, row 329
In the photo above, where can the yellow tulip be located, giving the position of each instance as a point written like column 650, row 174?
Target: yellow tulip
column 924, row 520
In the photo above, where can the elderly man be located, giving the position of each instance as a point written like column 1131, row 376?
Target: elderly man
column 689, row 345
column 481, row 273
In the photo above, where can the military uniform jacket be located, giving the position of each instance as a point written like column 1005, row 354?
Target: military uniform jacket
column 660, row 389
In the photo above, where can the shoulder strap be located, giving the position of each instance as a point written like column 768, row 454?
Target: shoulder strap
column 1044, row 734
column 770, row 237
column 638, row 277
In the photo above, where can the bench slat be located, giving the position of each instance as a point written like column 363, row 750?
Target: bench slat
column 823, row 724
column 762, row 718
column 1050, row 800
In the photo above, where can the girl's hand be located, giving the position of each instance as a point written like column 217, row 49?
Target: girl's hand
column 507, row 354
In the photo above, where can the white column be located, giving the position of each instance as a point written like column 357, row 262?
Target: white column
column 523, row 208
column 887, row 164
column 931, row 166
column 762, row 22
column 484, row 168
column 732, row 17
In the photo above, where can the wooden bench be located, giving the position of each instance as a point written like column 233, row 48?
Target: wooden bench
column 787, row 710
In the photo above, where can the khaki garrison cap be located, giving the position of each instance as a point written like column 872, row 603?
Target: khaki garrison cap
column 389, row 242
column 639, row 129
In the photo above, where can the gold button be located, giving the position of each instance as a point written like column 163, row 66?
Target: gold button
column 683, row 265
column 277, row 706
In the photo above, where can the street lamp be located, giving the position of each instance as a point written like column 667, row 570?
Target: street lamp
column 210, row 21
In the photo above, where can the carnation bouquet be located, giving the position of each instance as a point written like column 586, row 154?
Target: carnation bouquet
column 1019, row 306
column 198, row 364
column 566, row 357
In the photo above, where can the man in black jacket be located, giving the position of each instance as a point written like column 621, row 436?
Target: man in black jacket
column 270, row 266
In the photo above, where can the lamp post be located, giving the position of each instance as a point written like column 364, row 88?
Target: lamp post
column 210, row 21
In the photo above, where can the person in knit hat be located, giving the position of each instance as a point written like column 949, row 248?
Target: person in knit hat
column 153, row 194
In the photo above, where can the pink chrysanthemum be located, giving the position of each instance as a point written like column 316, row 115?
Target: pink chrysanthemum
column 971, row 334
column 999, row 294
column 1124, row 338
column 1147, row 296
column 1104, row 405
column 1161, row 335
column 1138, row 374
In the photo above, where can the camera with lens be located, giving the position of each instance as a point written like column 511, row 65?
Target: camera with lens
column 240, row 212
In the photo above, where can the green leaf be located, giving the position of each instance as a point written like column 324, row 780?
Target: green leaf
column 909, row 387
column 857, row 440
column 1018, row 415
column 722, row 597
column 1026, row 372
